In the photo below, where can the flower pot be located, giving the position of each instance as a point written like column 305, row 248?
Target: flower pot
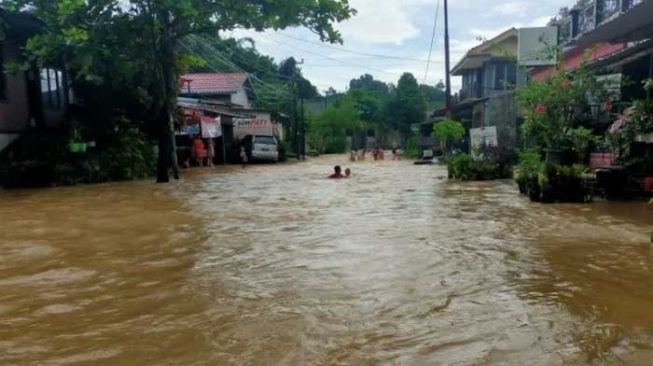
column 534, row 192
column 523, row 187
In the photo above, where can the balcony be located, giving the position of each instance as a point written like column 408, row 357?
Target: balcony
column 590, row 14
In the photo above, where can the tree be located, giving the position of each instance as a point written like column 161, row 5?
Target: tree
column 162, row 24
column 448, row 132
column 367, row 83
column 434, row 96
column 328, row 130
column 407, row 105
column 553, row 108
column 289, row 70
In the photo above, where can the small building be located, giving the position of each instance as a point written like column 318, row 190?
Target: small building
column 37, row 97
column 230, row 88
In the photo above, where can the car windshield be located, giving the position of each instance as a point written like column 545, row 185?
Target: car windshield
column 265, row 140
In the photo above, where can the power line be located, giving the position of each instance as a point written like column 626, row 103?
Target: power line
column 345, row 50
column 216, row 53
column 435, row 28
column 333, row 58
column 227, row 63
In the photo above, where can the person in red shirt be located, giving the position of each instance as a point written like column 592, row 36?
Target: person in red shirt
column 337, row 173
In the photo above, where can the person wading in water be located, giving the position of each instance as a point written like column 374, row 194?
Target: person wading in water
column 337, row 173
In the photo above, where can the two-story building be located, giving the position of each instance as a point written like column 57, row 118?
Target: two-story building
column 490, row 74
column 615, row 37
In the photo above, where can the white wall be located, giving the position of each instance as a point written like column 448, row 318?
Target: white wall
column 241, row 98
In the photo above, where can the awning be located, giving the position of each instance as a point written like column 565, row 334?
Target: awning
column 465, row 104
column 626, row 56
column 634, row 25
column 210, row 109
column 470, row 63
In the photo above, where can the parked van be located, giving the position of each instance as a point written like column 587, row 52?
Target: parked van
column 261, row 148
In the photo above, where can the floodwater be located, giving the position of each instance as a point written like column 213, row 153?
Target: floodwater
column 275, row 265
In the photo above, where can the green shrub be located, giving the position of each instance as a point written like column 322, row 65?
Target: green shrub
column 529, row 167
column 283, row 151
column 411, row 150
column 466, row 168
column 43, row 158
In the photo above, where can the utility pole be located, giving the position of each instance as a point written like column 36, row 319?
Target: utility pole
column 302, row 140
column 300, row 128
column 447, row 57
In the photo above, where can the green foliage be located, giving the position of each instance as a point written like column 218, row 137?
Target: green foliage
column 45, row 159
column 466, row 168
column 435, row 96
column 283, row 151
column 367, row 83
column 411, row 149
column 406, row 105
column 328, row 131
column 552, row 108
column 128, row 52
column 636, row 121
column 448, row 132
column 529, row 167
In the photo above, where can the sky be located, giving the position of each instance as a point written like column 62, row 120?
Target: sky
column 400, row 29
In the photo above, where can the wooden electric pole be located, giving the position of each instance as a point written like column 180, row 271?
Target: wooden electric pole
column 447, row 57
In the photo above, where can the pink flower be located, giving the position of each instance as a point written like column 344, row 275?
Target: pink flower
column 540, row 109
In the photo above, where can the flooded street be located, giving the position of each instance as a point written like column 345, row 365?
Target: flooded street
column 275, row 265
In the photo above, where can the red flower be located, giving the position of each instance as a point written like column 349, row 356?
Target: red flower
column 540, row 109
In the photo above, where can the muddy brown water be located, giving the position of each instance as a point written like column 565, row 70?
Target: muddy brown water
column 275, row 265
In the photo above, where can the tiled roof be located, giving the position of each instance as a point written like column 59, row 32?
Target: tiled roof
column 226, row 83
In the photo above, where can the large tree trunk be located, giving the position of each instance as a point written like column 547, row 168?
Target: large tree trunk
column 166, row 136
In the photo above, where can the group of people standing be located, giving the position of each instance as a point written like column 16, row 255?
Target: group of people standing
column 378, row 153
column 202, row 152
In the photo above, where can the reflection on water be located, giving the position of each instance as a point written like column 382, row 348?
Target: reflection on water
column 275, row 265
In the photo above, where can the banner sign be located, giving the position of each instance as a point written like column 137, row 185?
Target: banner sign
column 254, row 126
column 211, row 127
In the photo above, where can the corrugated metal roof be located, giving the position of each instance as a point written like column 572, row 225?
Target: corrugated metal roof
column 213, row 83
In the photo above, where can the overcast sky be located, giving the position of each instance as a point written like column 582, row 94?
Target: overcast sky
column 401, row 28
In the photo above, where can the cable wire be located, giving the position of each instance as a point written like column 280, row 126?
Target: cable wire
column 435, row 28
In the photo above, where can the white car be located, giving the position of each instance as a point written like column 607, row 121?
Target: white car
column 262, row 148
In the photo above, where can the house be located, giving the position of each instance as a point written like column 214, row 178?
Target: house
column 37, row 97
column 231, row 88
column 489, row 69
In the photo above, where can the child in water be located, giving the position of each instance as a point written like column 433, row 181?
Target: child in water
column 243, row 156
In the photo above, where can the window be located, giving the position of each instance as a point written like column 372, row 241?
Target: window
column 512, row 75
column 52, row 91
column 500, row 77
column 587, row 19
column 265, row 140
column 3, row 77
column 606, row 9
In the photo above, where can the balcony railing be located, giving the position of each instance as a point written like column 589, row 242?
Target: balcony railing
column 590, row 15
